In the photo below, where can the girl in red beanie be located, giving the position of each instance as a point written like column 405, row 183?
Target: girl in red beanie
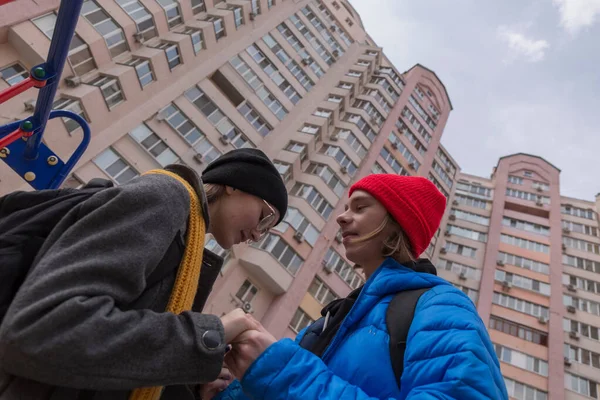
column 366, row 346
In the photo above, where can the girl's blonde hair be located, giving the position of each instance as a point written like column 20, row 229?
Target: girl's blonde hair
column 396, row 245
column 213, row 191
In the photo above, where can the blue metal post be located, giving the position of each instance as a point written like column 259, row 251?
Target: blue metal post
column 68, row 15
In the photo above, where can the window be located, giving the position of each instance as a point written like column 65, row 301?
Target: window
column 143, row 70
column 341, row 158
column 102, row 22
column 196, row 36
column 255, row 6
column 438, row 185
column 310, row 129
column 281, row 251
column 474, row 190
column 343, row 269
column 14, row 74
column 301, row 225
column 353, row 142
column 450, row 168
column 64, row 103
column 587, row 285
column 471, row 202
column 392, row 161
column 518, row 330
column 521, row 391
column 269, row 68
column 172, row 52
column 379, row 98
column 461, row 250
column 314, row 198
column 321, row 292
column 402, row 149
column 323, row 30
column 172, row 11
column 345, row 86
column 289, row 63
column 111, row 90
column 331, row 22
column 377, row 168
column 525, row 244
column 190, row 132
column 259, row 88
column 523, row 282
column 246, row 292
column 335, row 99
column 459, row 269
column 299, row 148
column 212, row 245
column 519, row 305
column 270, row 3
column 300, row 320
column 410, row 117
column 428, row 120
column 328, row 176
column 581, row 245
column 521, row 360
column 80, row 57
column 467, row 233
column 516, row 180
column 519, row 194
column 524, row 263
column 114, row 166
column 218, row 25
column 471, row 293
column 319, row 112
column 581, row 385
column 72, row 182
column 584, row 305
column 315, row 43
column 381, row 81
column 198, row 6
column 300, row 49
column 254, row 118
column 590, row 332
column 362, row 125
column 442, row 174
column 238, row 16
column 284, row 169
column 354, row 74
column 580, row 228
column 526, row 226
column 142, row 17
column 581, row 263
column 230, row 133
column 528, row 174
column 375, row 116
column 154, row 145
column 578, row 212
column 393, row 75
column 467, row 216
column 582, row 356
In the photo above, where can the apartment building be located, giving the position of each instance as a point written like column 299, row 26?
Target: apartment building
column 164, row 81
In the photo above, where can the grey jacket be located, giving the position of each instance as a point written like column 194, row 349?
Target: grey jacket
column 84, row 324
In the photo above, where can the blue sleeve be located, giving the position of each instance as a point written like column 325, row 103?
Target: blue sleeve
column 233, row 392
column 285, row 371
column 448, row 340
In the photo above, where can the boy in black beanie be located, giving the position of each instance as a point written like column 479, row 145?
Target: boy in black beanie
column 89, row 319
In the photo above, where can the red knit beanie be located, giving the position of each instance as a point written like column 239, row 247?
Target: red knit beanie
column 414, row 202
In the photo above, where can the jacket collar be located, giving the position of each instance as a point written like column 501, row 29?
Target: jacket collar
column 192, row 177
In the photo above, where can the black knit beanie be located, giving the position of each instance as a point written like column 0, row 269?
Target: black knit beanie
column 250, row 171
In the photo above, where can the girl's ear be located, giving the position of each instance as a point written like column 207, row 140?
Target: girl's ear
column 229, row 189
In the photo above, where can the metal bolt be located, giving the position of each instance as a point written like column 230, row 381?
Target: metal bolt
column 52, row 160
column 27, row 125
column 29, row 176
column 4, row 152
column 39, row 72
column 24, row 138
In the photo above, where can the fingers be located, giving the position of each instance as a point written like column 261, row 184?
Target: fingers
column 236, row 322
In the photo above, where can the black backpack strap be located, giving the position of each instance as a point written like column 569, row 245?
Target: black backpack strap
column 398, row 318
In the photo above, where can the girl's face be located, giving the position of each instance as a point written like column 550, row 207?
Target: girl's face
column 238, row 217
column 363, row 215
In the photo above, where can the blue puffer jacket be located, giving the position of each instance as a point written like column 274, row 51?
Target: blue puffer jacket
column 449, row 354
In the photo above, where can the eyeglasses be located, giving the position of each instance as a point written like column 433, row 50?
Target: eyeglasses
column 267, row 222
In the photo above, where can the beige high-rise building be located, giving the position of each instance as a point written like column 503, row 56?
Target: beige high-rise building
column 163, row 81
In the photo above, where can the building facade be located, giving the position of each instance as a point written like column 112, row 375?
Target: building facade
column 164, row 81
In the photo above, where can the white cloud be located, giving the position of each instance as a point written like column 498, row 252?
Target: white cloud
column 522, row 46
column 577, row 14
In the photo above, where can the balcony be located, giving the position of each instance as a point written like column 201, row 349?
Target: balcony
column 267, row 269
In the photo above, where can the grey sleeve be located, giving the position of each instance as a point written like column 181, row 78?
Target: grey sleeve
column 67, row 325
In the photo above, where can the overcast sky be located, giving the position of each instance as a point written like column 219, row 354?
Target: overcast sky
column 523, row 76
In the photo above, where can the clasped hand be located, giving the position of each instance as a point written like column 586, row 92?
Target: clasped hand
column 248, row 340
